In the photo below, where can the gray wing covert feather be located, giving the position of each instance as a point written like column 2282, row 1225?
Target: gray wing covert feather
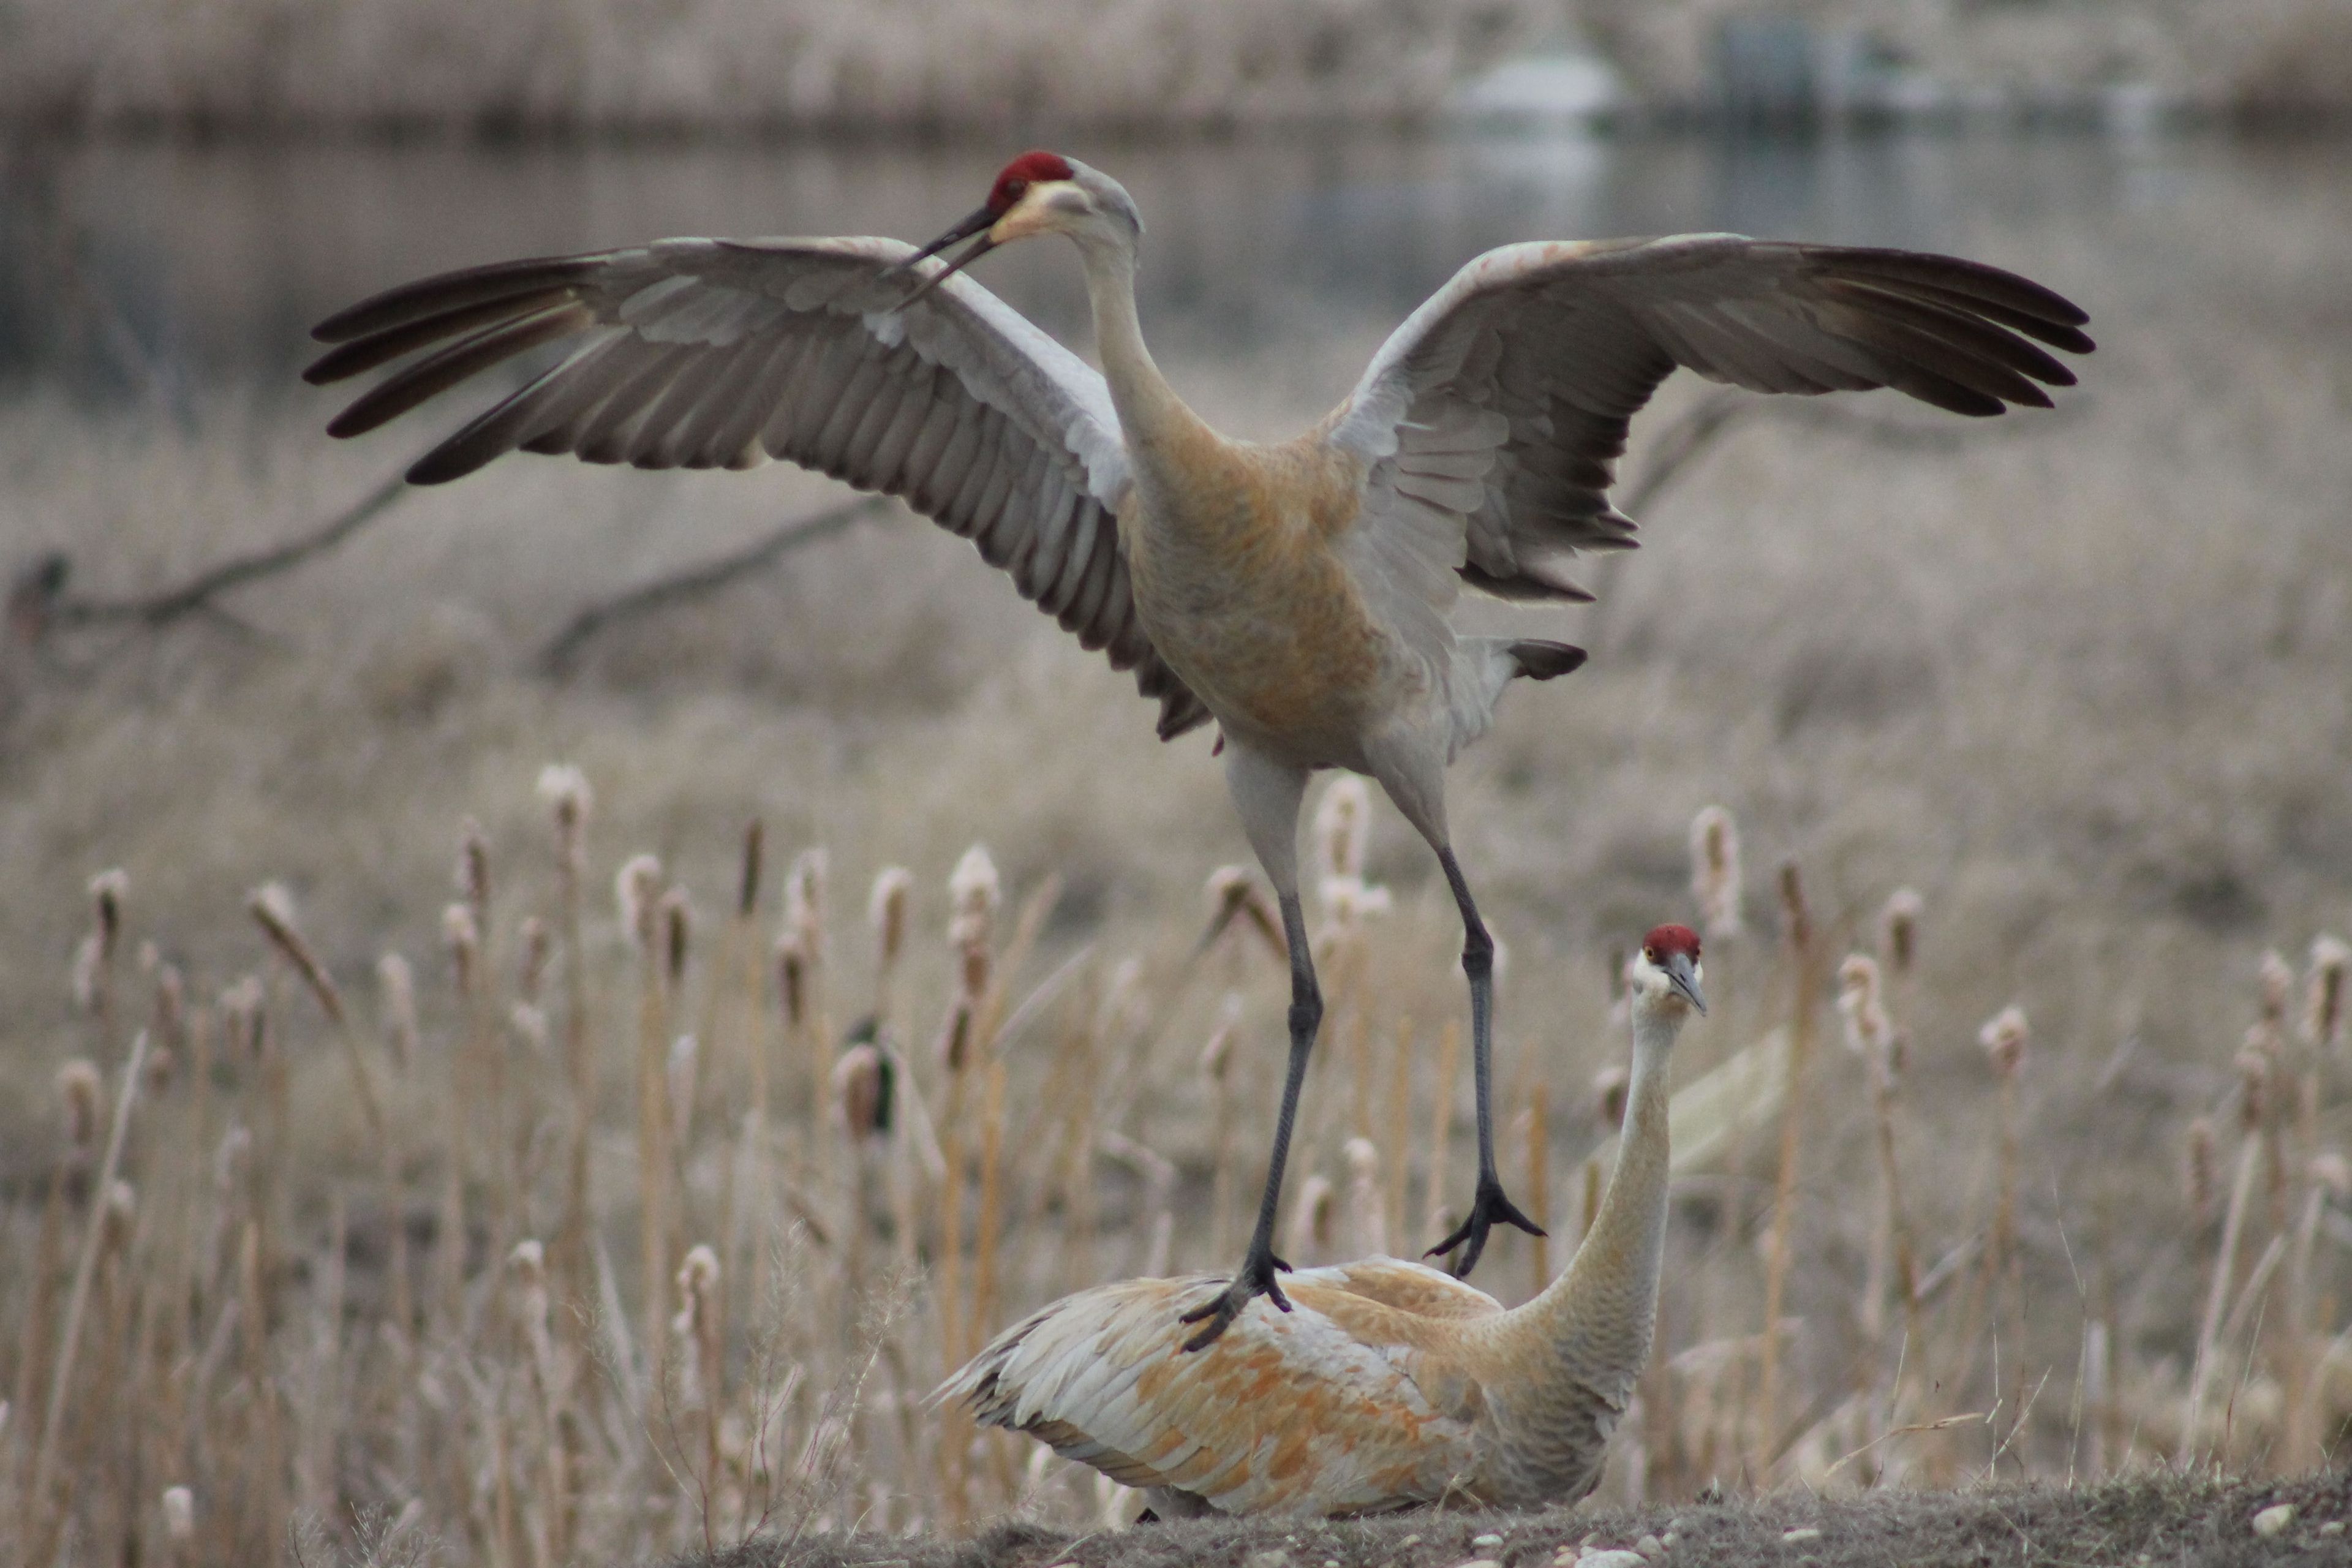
column 703, row 353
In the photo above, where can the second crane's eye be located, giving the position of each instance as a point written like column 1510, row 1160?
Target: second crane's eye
column 1651, row 953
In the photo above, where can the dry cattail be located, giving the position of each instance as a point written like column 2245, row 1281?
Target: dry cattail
column 2198, row 1168
column 1367, row 1213
column 1312, row 1221
column 747, row 883
column 696, row 1325
column 474, row 870
column 2332, row 1171
column 1217, row 1056
column 397, row 987
column 791, row 980
column 537, row 943
column 886, row 912
column 1867, row 1029
column 1796, row 918
column 107, row 890
column 1715, row 871
column 463, row 938
column 676, row 914
column 2004, row 1040
column 170, row 1023
column 272, row 907
column 179, row 1515
column 245, row 1019
column 528, row 1021
column 118, row 1218
column 157, row 1074
column 233, row 1159
column 1610, row 1087
column 565, row 789
column 636, row 893
column 2277, row 988
column 81, row 1090
column 861, row 1092
column 1347, row 901
column 974, row 895
column 1343, row 820
column 805, row 902
column 527, row 1267
column 2324, row 995
column 2254, row 1064
column 1235, row 895
column 1898, row 932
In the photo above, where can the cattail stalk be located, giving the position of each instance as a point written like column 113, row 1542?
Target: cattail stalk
column 45, row 1447
column 1398, row 1169
column 565, row 791
column 2004, row 1041
column 1798, row 930
column 2225, row 1262
column 1539, row 1184
column 1216, row 1068
column 991, row 1206
column 639, row 888
column 1441, row 1126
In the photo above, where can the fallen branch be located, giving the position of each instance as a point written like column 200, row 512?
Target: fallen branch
column 562, row 651
column 195, row 596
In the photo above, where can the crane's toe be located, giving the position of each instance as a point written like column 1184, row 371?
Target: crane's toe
column 1255, row 1277
column 1487, row 1209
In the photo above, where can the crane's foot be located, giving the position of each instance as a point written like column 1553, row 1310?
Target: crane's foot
column 1216, row 1314
column 1487, row 1209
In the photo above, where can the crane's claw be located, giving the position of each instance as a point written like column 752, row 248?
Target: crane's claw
column 1255, row 1277
column 1487, row 1209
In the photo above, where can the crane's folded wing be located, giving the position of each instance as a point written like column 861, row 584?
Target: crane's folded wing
column 709, row 353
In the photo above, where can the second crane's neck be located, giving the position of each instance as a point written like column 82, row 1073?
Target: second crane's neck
column 1592, row 1324
column 1154, row 420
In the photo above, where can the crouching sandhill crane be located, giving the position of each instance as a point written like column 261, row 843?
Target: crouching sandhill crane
column 1389, row 1384
column 1298, row 593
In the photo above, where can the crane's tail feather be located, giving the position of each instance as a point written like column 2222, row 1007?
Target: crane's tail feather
column 1540, row 660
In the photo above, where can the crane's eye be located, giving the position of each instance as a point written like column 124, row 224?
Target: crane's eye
column 1651, row 953
column 1015, row 189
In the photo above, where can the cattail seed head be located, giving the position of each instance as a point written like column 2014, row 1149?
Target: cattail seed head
column 1609, row 1087
column 2254, row 1064
column 1898, row 932
column 1348, row 901
column 537, row 943
column 697, row 1324
column 2332, row 1171
column 106, row 892
column 81, row 1090
column 527, row 1264
column 119, row 1219
column 791, row 980
column 565, row 789
column 1367, row 1209
column 1234, row 895
column 529, row 1022
column 861, row 1092
column 1343, row 821
column 805, row 902
column 886, row 912
column 2200, row 1169
column 1796, row 918
column 233, row 1160
column 974, row 895
column 637, row 895
column 169, row 1025
column 397, row 986
column 245, row 1018
column 2277, row 988
column 1315, row 1217
column 474, row 870
column 1867, row 1029
column 1715, row 871
column 463, row 938
column 156, row 1075
column 2004, row 1040
column 179, row 1515
column 746, row 884
column 675, row 914
column 2324, row 999
column 272, row 907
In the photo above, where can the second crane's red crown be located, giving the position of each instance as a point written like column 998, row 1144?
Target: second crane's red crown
column 1664, row 940
column 1023, row 173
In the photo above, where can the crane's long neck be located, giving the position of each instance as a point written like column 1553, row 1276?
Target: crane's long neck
column 1155, row 421
column 1589, row 1331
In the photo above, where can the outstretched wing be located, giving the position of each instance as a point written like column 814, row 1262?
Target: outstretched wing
column 704, row 353
column 1498, row 410
column 1285, row 1413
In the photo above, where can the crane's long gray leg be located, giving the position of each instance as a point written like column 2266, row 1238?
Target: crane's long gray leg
column 1267, row 793
column 1488, row 1206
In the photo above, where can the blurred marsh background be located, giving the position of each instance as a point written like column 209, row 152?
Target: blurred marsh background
column 2077, row 679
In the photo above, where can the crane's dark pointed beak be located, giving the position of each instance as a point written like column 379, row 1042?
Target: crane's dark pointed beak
column 977, row 223
column 1683, row 977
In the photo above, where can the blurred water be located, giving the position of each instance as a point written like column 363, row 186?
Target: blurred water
column 164, row 272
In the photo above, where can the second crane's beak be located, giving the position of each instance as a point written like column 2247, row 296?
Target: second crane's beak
column 979, row 222
column 1683, row 975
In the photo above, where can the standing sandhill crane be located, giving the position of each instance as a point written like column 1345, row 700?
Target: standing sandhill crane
column 1391, row 1385
column 1298, row 593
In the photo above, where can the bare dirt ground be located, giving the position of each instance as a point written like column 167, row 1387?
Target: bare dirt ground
column 2149, row 1520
